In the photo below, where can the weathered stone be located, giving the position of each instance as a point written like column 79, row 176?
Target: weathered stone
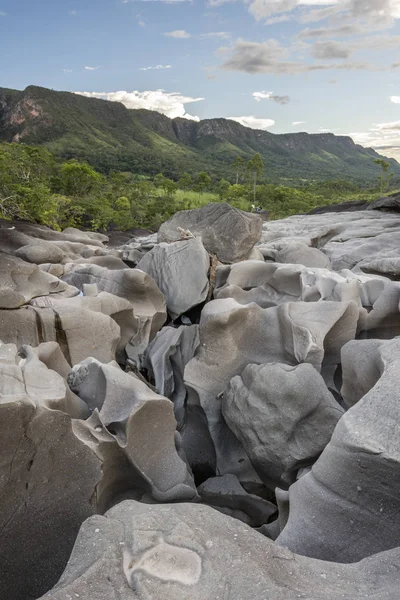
column 142, row 423
column 187, row 551
column 233, row 336
column 284, row 416
column 225, row 231
column 40, row 252
column 166, row 359
column 347, row 507
column 180, row 270
column 227, row 495
column 47, row 477
column 21, row 281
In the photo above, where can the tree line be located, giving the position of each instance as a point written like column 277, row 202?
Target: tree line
column 36, row 186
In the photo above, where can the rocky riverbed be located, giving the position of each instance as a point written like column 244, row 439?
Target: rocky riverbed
column 207, row 413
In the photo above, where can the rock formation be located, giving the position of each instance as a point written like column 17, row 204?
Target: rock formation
column 210, row 412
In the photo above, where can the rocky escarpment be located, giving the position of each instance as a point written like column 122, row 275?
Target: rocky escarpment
column 191, row 400
column 149, row 142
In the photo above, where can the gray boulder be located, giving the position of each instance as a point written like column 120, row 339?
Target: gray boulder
column 283, row 415
column 47, row 477
column 233, row 336
column 347, row 507
column 21, row 281
column 166, row 359
column 180, row 270
column 186, row 551
column 40, row 252
column 80, row 332
column 142, row 424
column 225, row 231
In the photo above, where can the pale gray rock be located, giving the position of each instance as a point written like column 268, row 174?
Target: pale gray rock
column 300, row 254
column 40, row 252
column 21, row 281
column 131, row 284
column 347, row 507
column 283, row 415
column 142, row 424
column 120, row 310
column 362, row 367
column 233, row 336
column 47, row 476
column 227, row 495
column 80, row 332
column 180, row 270
column 166, row 359
column 186, row 551
column 227, row 232
column 347, row 238
column 270, row 284
column 114, row 263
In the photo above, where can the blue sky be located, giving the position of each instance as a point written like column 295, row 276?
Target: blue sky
column 281, row 65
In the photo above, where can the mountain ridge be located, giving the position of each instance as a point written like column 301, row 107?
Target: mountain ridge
column 111, row 136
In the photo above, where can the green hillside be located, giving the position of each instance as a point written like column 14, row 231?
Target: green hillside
column 113, row 138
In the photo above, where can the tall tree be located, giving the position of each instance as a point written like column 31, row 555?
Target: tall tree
column 255, row 167
column 186, row 181
column 239, row 166
column 385, row 176
column 203, row 181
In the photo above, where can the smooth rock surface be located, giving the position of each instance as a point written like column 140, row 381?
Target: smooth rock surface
column 180, row 270
column 142, row 423
column 225, row 231
column 187, row 551
column 284, row 416
column 233, row 336
column 347, row 507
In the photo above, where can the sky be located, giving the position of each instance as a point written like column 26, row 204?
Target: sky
column 278, row 65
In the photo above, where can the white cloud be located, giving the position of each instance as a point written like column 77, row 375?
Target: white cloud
column 258, row 96
column 92, row 68
column 223, row 35
column 67, row 70
column 295, row 123
column 253, row 122
column 3, row 14
column 395, row 99
column 275, row 20
column 380, row 135
column 179, row 34
column 73, row 13
column 156, row 68
column 171, row 104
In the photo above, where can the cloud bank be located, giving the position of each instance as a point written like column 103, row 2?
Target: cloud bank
column 171, row 104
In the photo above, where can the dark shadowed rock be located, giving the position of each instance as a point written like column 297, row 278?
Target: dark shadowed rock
column 347, row 507
column 225, row 231
column 284, row 416
column 47, row 477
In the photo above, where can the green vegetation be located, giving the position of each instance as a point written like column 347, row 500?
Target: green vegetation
column 36, row 186
column 112, row 138
column 385, row 175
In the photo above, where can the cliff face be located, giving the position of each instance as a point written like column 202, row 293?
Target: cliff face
column 110, row 136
